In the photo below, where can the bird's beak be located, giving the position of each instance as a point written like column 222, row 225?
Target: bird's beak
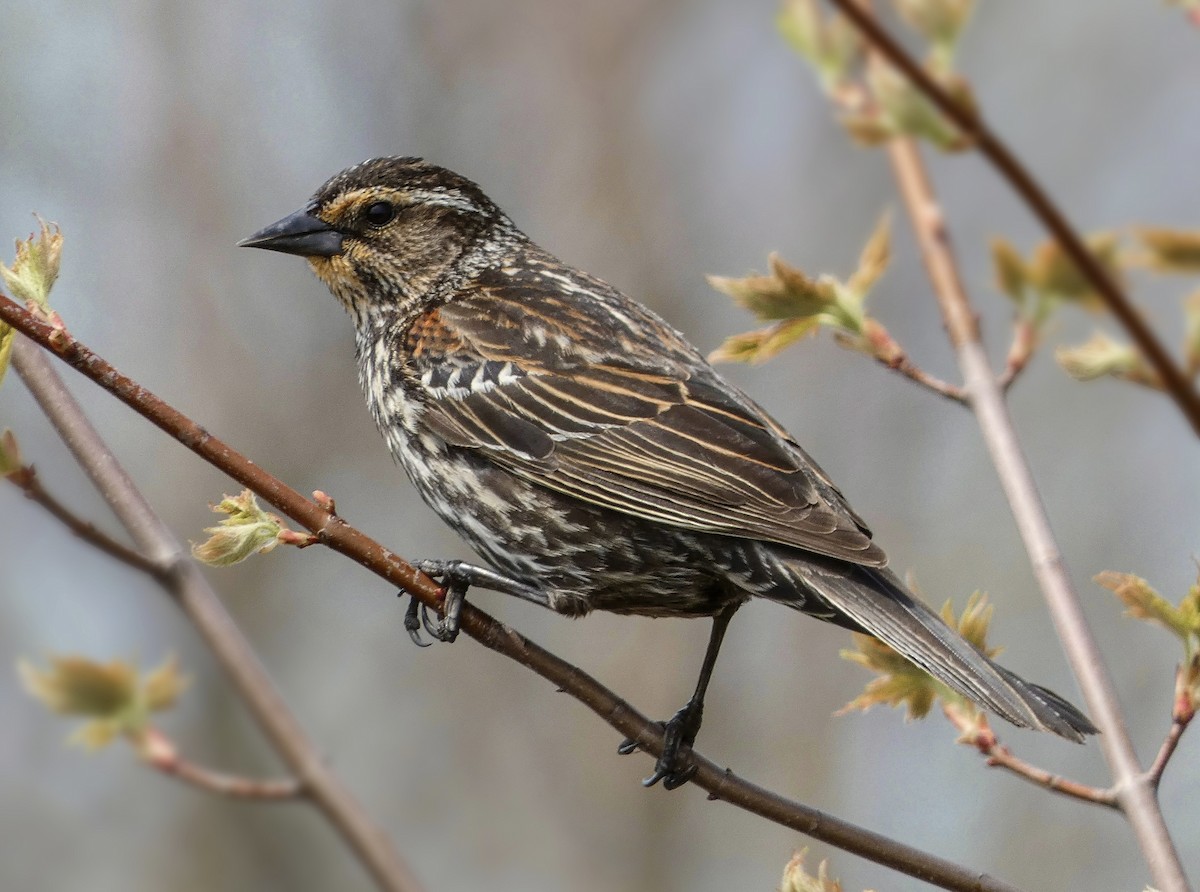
column 299, row 233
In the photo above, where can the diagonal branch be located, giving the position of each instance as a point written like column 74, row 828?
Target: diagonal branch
column 182, row 579
column 27, row 480
column 976, row 130
column 1134, row 793
column 721, row 783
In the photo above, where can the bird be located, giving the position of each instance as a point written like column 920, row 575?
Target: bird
column 588, row 452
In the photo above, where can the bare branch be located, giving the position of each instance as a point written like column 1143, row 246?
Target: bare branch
column 183, row 581
column 721, row 784
column 1000, row 756
column 1135, row 794
column 1008, row 166
column 1025, row 340
column 910, row 370
column 27, row 480
column 160, row 752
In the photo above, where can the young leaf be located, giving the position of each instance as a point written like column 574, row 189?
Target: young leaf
column 938, row 21
column 874, row 257
column 1054, row 274
column 1143, row 602
column 797, row 879
column 1011, row 277
column 162, row 686
column 1097, row 357
column 1170, row 250
column 765, row 343
column 77, row 686
column 36, row 265
column 899, row 682
column 1191, row 331
column 246, row 530
column 10, row 454
column 829, row 44
column 785, row 294
column 7, row 337
column 111, row 696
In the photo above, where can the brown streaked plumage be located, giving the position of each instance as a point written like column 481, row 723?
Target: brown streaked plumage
column 587, row 451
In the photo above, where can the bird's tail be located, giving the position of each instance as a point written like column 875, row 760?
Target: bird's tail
column 877, row 602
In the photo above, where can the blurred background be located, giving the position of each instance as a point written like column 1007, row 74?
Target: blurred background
column 650, row 142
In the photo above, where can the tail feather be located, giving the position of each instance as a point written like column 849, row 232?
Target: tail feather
column 876, row 601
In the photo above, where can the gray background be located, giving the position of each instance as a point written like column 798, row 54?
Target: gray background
column 650, row 143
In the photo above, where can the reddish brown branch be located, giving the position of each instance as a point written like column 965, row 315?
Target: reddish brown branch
column 909, row 370
column 182, row 580
column 1006, row 163
column 1001, row 757
column 720, row 783
column 27, row 480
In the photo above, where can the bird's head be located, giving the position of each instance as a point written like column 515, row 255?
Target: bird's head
column 389, row 232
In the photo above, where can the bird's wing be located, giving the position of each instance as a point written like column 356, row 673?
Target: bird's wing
column 592, row 396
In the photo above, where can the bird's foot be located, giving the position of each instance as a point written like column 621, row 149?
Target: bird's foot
column 455, row 577
column 674, row 767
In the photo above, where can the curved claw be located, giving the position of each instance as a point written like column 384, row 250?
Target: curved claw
column 412, row 624
column 679, row 778
column 627, row 746
column 430, row 626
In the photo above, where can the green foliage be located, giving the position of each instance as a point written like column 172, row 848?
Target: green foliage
column 900, row 683
column 30, row 278
column 1182, row 620
column 111, row 696
column 10, row 454
column 247, row 530
column 1170, row 250
column 1101, row 357
column 875, row 102
column 798, row 305
column 1143, row 602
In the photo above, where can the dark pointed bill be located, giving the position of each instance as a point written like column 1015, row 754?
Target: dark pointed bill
column 299, row 233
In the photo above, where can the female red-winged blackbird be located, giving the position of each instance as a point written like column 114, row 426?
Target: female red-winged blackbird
column 587, row 451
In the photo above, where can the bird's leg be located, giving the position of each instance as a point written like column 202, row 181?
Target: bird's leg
column 679, row 732
column 456, row 577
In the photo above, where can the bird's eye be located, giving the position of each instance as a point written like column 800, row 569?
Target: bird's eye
column 380, row 213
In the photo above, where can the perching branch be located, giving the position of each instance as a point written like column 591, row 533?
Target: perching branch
column 979, row 134
column 1135, row 794
column 332, row 531
column 182, row 580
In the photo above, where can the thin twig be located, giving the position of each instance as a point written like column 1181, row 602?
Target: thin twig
column 930, row 382
column 1135, row 795
column 184, row 582
column 976, row 130
column 341, row 537
column 159, row 752
column 1155, row 772
column 1024, row 343
column 27, row 480
column 1000, row 756
column 230, row 785
column 976, row 731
